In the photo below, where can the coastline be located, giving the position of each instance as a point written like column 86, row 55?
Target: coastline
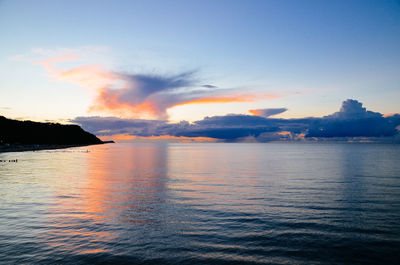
column 39, row 147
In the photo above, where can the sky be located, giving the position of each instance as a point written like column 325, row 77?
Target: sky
column 170, row 61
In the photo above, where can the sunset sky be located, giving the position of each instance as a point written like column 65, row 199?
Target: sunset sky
column 185, row 60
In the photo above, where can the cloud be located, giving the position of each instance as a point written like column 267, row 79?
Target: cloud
column 161, row 138
column 351, row 121
column 146, row 94
column 220, row 127
column 229, row 127
column 92, row 77
column 209, row 86
column 152, row 95
column 102, row 126
column 352, row 109
column 143, row 95
column 267, row 112
column 90, row 52
column 391, row 114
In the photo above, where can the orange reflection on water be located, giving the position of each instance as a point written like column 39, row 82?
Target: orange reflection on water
column 70, row 224
column 125, row 181
column 111, row 186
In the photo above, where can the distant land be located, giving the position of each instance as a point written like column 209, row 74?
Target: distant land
column 29, row 136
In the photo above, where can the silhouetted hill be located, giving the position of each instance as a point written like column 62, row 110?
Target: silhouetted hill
column 15, row 132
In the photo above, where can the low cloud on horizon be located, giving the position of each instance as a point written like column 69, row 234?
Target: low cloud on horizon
column 351, row 122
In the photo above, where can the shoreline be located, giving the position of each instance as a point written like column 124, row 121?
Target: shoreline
column 39, row 147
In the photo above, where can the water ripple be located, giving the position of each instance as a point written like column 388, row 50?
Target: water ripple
column 202, row 204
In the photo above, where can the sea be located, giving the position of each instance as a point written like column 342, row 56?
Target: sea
column 202, row 203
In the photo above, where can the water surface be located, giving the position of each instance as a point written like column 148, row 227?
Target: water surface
column 275, row 203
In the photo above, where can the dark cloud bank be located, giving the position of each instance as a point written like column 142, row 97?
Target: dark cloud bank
column 352, row 122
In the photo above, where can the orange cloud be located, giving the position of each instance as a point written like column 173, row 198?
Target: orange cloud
column 48, row 63
column 163, row 138
column 230, row 99
column 117, row 137
column 221, row 99
column 88, row 76
column 267, row 112
column 109, row 101
column 255, row 112
column 390, row 114
column 142, row 96
column 179, row 138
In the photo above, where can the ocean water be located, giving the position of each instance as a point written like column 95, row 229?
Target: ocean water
column 274, row 203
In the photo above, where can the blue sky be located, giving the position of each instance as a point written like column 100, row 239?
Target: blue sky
column 311, row 54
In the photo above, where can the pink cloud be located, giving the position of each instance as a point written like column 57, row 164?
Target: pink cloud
column 139, row 95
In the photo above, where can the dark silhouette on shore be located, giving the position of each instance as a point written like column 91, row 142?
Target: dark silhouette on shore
column 28, row 135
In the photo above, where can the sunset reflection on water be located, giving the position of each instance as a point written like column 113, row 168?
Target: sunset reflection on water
column 113, row 188
column 201, row 203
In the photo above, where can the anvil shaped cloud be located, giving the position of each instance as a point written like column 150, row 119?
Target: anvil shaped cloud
column 144, row 95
